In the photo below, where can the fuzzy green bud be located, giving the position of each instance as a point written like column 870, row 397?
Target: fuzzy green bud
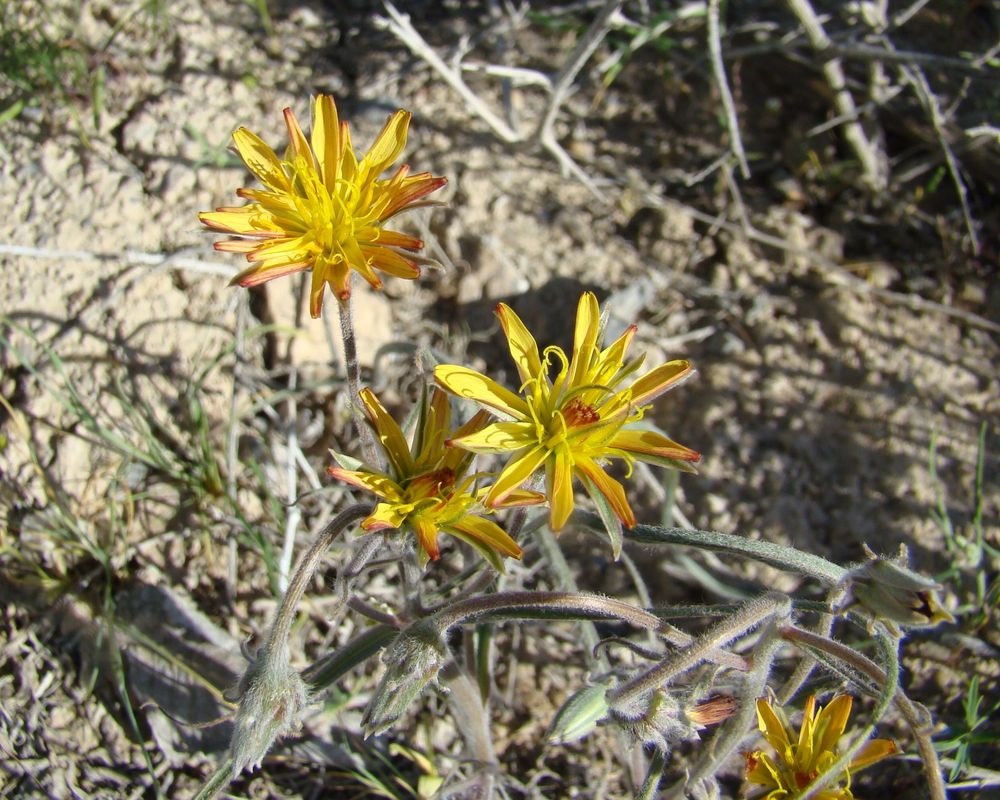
column 579, row 715
column 894, row 593
column 413, row 660
column 272, row 697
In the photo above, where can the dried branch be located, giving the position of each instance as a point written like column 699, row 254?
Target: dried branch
column 873, row 162
column 719, row 70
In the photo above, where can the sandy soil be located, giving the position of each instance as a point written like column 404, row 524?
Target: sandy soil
column 815, row 406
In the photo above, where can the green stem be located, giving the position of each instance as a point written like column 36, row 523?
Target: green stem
column 784, row 558
column 353, row 369
column 752, row 614
column 278, row 635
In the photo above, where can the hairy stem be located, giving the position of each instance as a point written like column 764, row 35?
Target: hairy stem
column 278, row 635
column 353, row 369
column 784, row 558
column 752, row 614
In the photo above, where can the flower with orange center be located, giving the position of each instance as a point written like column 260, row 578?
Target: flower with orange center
column 571, row 424
column 798, row 763
column 323, row 209
column 428, row 489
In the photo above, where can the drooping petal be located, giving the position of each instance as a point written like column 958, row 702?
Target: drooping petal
column 518, row 470
column 237, row 245
column 471, row 385
column 559, row 487
column 610, row 488
column 396, row 239
column 489, row 533
column 657, row 381
column 411, row 191
column 523, row 348
column 388, row 433
column 427, row 537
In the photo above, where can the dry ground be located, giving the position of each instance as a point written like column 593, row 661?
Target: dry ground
column 132, row 566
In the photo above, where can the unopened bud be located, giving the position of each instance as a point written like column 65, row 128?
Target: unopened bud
column 272, row 697
column 579, row 715
column 413, row 659
column 893, row 592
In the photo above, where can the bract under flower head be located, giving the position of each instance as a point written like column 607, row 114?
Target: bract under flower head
column 569, row 425
column 322, row 209
column 797, row 763
column 428, row 490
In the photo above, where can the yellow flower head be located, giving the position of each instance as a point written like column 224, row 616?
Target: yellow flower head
column 573, row 423
column 322, row 209
column 798, row 763
column 427, row 490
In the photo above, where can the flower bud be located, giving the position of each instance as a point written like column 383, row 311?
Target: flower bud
column 413, row 659
column 894, row 593
column 657, row 720
column 272, row 697
column 579, row 715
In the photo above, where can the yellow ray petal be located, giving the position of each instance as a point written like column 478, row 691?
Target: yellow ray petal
column 772, row 727
column 297, row 139
column 518, row 470
column 651, row 443
column 559, row 487
column 389, row 434
column 261, row 273
column 374, row 482
column 523, row 347
column 588, row 325
column 386, row 147
column 873, row 751
column 385, row 516
column 326, row 138
column 761, row 769
column 500, row 437
column 390, row 262
column 610, row 488
column 469, row 384
column 657, row 381
column 427, row 536
column 805, row 752
column 390, row 238
column 520, row 497
column 489, row 533
column 831, row 722
column 251, row 220
column 261, row 160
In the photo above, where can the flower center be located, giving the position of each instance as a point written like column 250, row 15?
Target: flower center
column 577, row 413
